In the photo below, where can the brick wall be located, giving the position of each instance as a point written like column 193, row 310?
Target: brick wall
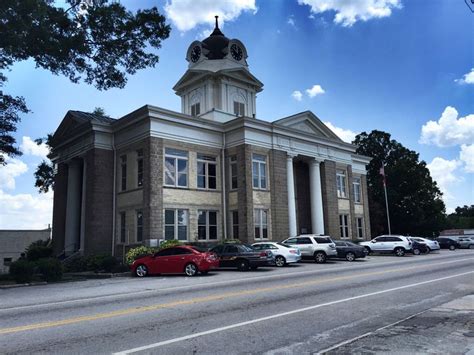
column 365, row 200
column 59, row 208
column 330, row 204
column 153, row 188
column 279, row 195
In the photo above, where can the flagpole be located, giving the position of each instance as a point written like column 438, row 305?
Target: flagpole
column 382, row 172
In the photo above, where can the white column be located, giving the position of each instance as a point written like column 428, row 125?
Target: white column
column 73, row 205
column 317, row 216
column 291, row 196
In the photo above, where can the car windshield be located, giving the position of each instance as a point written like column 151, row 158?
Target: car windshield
column 246, row 248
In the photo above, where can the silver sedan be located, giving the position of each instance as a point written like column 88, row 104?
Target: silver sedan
column 432, row 244
column 284, row 254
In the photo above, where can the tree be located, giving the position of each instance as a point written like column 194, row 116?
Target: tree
column 462, row 218
column 415, row 201
column 90, row 40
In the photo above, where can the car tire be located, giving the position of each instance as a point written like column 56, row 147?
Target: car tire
column 243, row 265
column 428, row 250
column 471, row 246
column 280, row 261
column 254, row 267
column 416, row 251
column 368, row 250
column 320, row 257
column 399, row 252
column 141, row 271
column 452, row 247
column 350, row 256
column 190, row 269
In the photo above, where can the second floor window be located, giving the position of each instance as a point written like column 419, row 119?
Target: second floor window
column 195, row 109
column 176, row 167
column 357, row 190
column 341, row 183
column 140, row 167
column 233, row 173
column 239, row 108
column 139, row 226
column 259, row 171
column 123, row 171
column 206, row 172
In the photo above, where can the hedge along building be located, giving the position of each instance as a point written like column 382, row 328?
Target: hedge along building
column 212, row 172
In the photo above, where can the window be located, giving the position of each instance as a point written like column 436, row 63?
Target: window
column 123, row 230
column 320, row 240
column 195, row 109
column 235, row 224
column 206, row 172
column 140, row 167
column 139, row 226
column 176, row 224
column 231, row 249
column 7, row 261
column 239, row 108
column 176, row 167
column 261, row 224
column 259, row 171
column 207, row 225
column 304, row 240
column 357, row 190
column 360, row 227
column 344, row 227
column 233, row 173
column 123, row 160
column 341, row 183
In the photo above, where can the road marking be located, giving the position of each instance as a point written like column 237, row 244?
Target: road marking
column 136, row 310
column 224, row 282
column 283, row 314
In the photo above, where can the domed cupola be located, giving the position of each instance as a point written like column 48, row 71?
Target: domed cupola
column 216, row 45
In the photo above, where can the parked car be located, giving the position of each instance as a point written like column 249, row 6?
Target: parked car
column 418, row 248
column 432, row 244
column 448, row 243
column 397, row 244
column 283, row 254
column 175, row 260
column 465, row 242
column 317, row 247
column 243, row 257
column 349, row 251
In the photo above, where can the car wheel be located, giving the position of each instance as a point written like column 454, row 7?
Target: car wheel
column 190, row 270
column 452, row 247
column 399, row 252
column 416, row 251
column 428, row 250
column 320, row 257
column 141, row 271
column 280, row 261
column 368, row 250
column 243, row 265
column 471, row 246
column 350, row 256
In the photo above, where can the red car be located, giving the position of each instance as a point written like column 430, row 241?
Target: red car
column 176, row 260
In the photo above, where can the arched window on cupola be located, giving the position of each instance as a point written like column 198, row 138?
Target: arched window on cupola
column 195, row 105
column 239, row 104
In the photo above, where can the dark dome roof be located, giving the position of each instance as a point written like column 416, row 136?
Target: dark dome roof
column 216, row 44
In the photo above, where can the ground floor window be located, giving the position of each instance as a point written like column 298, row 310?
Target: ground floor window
column 123, row 227
column 139, row 226
column 235, row 224
column 207, row 225
column 360, row 227
column 176, row 224
column 7, row 261
column 261, row 224
column 343, row 225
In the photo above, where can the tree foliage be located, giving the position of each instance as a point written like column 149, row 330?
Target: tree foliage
column 462, row 218
column 415, row 201
column 96, row 41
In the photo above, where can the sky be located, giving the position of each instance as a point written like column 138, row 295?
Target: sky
column 405, row 67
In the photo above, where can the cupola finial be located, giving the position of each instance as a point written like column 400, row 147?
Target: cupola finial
column 217, row 21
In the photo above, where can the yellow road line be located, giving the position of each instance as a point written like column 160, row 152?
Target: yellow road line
column 222, row 296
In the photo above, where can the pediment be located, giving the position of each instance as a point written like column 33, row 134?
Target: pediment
column 307, row 122
column 69, row 126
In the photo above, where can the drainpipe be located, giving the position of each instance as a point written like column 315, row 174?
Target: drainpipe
column 224, row 205
column 114, row 197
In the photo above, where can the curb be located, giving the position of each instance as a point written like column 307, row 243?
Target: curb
column 23, row 285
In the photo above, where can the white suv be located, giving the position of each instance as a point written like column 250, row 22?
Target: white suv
column 318, row 247
column 396, row 244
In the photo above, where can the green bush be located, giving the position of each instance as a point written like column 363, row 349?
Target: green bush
column 134, row 253
column 101, row 263
column 39, row 250
column 50, row 268
column 77, row 264
column 22, row 271
column 169, row 243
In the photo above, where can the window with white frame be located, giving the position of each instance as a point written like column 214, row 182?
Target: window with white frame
column 235, row 224
column 344, row 226
column 261, row 223
column 239, row 108
column 176, row 224
column 195, row 109
column 341, row 183
column 123, row 170
column 207, row 225
column 233, row 173
column 259, row 171
column 206, row 172
column 140, row 167
column 176, row 167
column 360, row 227
column 123, row 227
column 139, row 221
column 357, row 190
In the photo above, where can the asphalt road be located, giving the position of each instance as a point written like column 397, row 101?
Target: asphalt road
column 304, row 308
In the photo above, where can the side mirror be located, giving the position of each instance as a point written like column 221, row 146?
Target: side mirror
column 373, row 241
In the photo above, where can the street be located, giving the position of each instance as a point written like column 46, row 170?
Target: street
column 303, row 308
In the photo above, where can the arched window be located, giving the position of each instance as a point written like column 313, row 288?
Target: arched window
column 239, row 104
column 195, row 105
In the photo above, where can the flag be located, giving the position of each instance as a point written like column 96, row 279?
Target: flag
column 382, row 172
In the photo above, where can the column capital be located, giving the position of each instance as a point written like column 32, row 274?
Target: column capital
column 290, row 155
column 315, row 161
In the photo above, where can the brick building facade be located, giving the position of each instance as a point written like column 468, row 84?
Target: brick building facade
column 212, row 172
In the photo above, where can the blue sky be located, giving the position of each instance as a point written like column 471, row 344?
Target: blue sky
column 392, row 65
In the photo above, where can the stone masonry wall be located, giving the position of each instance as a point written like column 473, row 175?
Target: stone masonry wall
column 365, row 200
column 59, row 208
column 330, row 203
column 279, row 195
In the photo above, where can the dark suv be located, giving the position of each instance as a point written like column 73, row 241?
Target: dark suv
column 242, row 257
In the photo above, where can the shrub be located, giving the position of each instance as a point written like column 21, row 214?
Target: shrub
column 39, row 250
column 135, row 253
column 77, row 264
column 50, row 268
column 101, row 263
column 22, row 271
column 169, row 243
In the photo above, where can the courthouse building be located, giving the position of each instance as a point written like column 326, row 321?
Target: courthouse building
column 214, row 171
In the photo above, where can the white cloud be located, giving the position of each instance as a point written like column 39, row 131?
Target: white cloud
column 345, row 134
column 349, row 12
column 28, row 146
column 449, row 130
column 467, row 157
column 467, row 78
column 315, row 90
column 25, row 211
column 443, row 172
column 187, row 14
column 291, row 21
column 297, row 95
column 9, row 172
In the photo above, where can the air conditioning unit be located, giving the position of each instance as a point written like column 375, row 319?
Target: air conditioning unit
column 153, row 243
